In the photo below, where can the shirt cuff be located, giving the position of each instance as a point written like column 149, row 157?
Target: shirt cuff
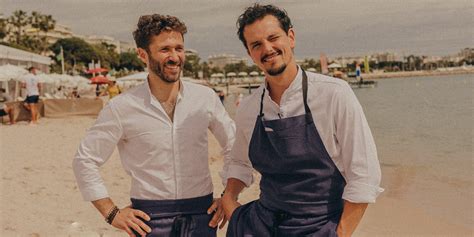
column 357, row 192
column 243, row 174
column 94, row 193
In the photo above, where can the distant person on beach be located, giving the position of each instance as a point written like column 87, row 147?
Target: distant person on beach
column 4, row 108
column 32, row 85
column 221, row 96
column 239, row 99
column 306, row 134
column 160, row 130
column 112, row 89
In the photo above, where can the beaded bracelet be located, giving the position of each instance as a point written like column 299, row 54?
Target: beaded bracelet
column 112, row 213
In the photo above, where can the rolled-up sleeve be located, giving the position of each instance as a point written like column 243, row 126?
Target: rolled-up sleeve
column 361, row 167
column 94, row 150
column 239, row 165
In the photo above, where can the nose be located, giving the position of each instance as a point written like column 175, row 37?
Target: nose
column 267, row 47
column 173, row 56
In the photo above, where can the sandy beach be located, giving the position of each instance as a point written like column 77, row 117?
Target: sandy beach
column 39, row 195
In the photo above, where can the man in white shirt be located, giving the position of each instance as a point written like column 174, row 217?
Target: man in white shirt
column 308, row 137
column 160, row 129
column 32, row 85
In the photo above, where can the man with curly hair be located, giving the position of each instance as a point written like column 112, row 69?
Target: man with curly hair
column 160, row 129
column 306, row 134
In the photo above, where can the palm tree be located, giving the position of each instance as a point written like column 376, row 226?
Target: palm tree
column 18, row 20
column 42, row 23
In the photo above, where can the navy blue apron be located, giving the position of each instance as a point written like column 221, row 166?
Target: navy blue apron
column 301, row 187
column 177, row 218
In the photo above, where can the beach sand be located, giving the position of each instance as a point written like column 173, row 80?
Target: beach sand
column 39, row 195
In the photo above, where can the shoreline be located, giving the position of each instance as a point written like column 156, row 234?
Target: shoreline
column 423, row 73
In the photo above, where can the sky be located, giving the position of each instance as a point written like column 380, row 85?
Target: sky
column 333, row 27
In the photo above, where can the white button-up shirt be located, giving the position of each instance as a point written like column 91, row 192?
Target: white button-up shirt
column 165, row 159
column 340, row 121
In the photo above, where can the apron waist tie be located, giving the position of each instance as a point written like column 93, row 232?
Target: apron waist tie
column 180, row 225
column 278, row 218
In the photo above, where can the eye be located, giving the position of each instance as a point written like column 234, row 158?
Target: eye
column 255, row 46
column 274, row 38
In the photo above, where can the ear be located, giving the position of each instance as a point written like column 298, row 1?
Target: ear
column 143, row 55
column 291, row 35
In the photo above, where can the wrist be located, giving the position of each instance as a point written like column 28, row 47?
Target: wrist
column 109, row 218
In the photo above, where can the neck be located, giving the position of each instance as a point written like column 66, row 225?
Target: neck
column 163, row 91
column 278, row 84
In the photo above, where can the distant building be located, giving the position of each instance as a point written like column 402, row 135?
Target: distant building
column 467, row 53
column 191, row 52
column 386, row 57
column 221, row 60
column 127, row 47
column 59, row 32
column 18, row 57
column 344, row 61
column 120, row 46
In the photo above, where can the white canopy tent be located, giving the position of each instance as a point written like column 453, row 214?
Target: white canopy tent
column 334, row 65
column 9, row 71
column 141, row 76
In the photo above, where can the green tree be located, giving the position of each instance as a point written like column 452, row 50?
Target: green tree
column 107, row 55
column 130, row 61
column 3, row 29
column 192, row 66
column 18, row 21
column 42, row 23
column 77, row 53
column 206, row 70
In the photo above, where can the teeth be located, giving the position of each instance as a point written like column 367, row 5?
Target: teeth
column 270, row 57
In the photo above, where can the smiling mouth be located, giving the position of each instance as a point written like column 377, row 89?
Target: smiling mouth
column 172, row 66
column 269, row 57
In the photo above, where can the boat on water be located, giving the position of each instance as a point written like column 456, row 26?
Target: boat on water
column 362, row 84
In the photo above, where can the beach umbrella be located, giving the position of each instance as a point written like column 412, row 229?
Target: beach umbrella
column 254, row 74
column 334, row 65
column 231, row 74
column 311, row 69
column 96, row 70
column 99, row 80
column 243, row 74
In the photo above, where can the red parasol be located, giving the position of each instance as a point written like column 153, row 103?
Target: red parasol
column 96, row 70
column 99, row 80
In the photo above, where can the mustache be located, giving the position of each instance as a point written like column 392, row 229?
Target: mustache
column 269, row 55
column 172, row 63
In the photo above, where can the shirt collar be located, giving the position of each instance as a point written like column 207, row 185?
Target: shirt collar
column 295, row 86
column 154, row 101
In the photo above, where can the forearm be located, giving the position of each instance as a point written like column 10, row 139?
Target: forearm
column 350, row 218
column 233, row 188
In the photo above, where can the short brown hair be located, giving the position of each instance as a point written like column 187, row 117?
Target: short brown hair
column 258, row 12
column 151, row 25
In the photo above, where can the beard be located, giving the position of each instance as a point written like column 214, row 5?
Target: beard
column 276, row 71
column 158, row 69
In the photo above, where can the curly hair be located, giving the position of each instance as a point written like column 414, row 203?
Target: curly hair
column 151, row 25
column 258, row 12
